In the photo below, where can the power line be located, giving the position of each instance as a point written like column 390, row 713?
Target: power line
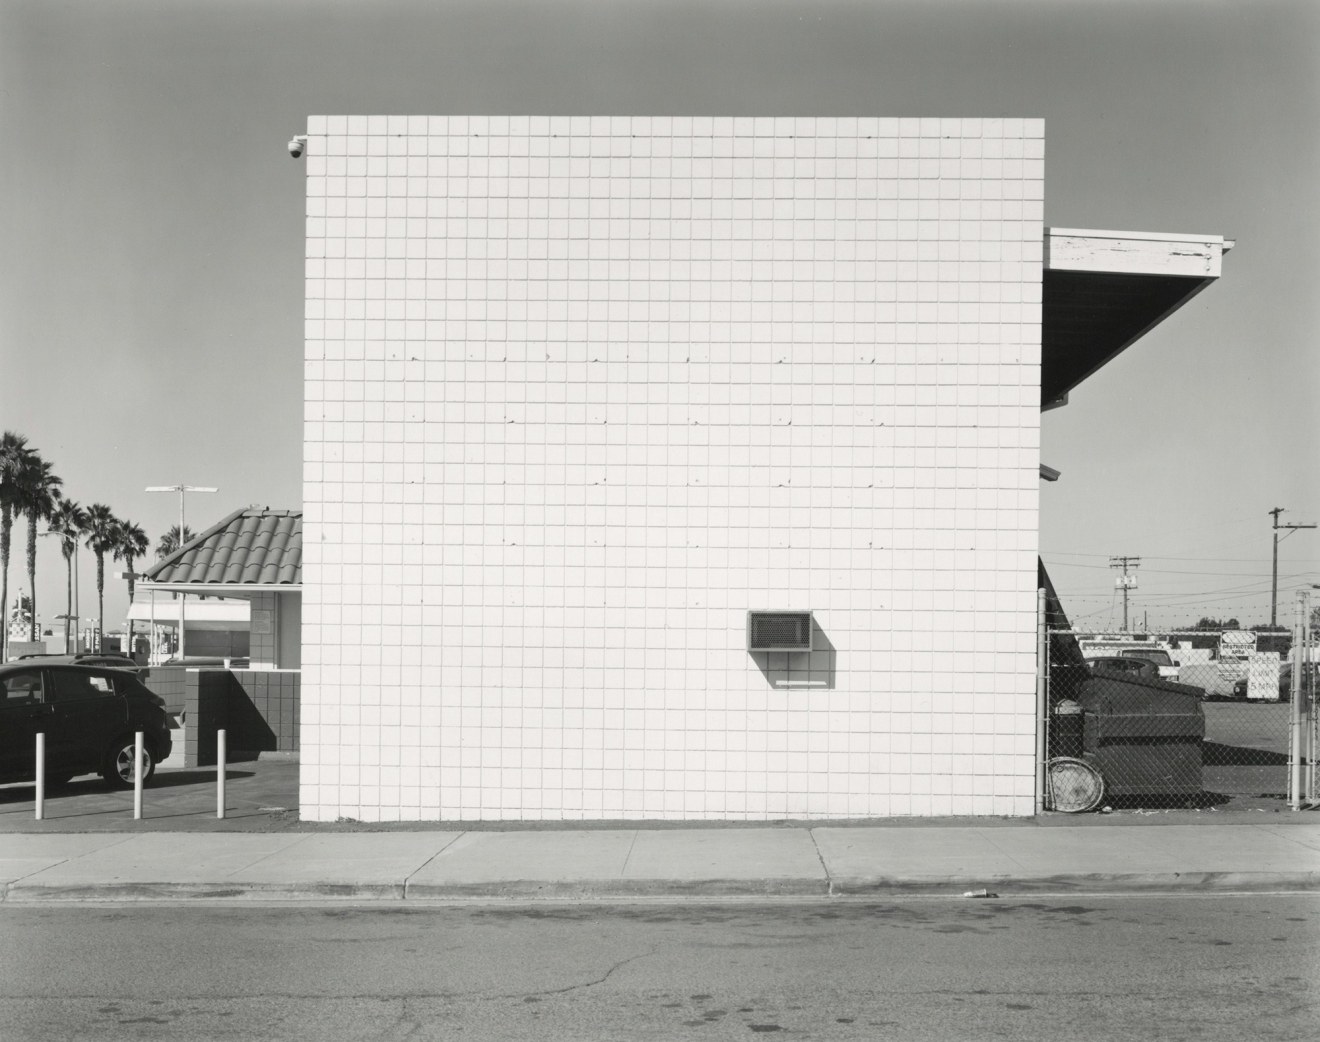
column 1160, row 571
column 1162, row 557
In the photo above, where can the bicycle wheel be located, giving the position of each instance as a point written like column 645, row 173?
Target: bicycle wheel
column 1073, row 786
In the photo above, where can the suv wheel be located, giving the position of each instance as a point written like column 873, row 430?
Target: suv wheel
column 117, row 770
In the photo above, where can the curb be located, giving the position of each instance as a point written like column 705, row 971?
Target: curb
column 129, row 893
column 613, row 889
column 1081, row 883
column 643, row 889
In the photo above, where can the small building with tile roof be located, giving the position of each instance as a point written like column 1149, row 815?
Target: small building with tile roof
column 240, row 585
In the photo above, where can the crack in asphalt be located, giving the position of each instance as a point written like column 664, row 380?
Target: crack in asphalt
column 406, row 1019
column 578, row 987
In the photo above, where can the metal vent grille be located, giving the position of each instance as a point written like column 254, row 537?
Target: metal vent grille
column 779, row 631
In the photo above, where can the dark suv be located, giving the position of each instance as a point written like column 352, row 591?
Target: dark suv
column 88, row 714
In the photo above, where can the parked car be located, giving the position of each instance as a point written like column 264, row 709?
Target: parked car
column 1151, row 650
column 89, row 715
column 1161, row 660
column 1124, row 665
column 88, row 658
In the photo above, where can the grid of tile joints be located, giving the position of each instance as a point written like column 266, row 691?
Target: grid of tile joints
column 581, row 391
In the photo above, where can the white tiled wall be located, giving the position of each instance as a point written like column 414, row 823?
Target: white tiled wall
column 582, row 391
column 263, row 642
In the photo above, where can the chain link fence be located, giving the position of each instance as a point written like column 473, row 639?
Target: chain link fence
column 1180, row 720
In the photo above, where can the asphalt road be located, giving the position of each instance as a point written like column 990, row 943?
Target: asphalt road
column 1171, row 968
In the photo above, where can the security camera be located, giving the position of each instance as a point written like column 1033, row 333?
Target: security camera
column 297, row 145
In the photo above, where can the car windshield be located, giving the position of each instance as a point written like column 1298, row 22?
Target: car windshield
column 1121, row 665
column 1160, row 658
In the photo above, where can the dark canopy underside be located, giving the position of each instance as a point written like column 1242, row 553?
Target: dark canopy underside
column 1088, row 318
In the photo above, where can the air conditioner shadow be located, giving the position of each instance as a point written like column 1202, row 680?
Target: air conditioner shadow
column 789, row 670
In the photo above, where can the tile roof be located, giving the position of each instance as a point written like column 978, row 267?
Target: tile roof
column 250, row 546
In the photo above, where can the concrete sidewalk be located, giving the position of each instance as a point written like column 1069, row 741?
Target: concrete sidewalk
column 621, row 863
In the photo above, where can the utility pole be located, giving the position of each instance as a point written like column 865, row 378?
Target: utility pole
column 1274, row 572
column 1125, row 581
column 182, row 490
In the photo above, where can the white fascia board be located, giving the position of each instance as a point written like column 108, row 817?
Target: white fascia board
column 236, row 613
column 219, row 589
column 1135, row 253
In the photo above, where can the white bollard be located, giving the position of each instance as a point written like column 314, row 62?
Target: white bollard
column 137, row 776
column 41, row 775
column 220, row 773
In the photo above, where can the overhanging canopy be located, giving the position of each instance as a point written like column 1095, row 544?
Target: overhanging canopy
column 1103, row 290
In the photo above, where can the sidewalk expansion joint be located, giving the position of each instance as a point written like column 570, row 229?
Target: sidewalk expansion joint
column 623, row 872
column 993, row 841
column 272, row 853
column 407, row 880
column 829, row 880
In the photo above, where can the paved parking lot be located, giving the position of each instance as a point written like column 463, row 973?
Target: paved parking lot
column 260, row 796
column 1245, row 754
column 1245, row 758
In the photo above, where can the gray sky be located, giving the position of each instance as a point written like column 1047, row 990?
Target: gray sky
column 151, row 291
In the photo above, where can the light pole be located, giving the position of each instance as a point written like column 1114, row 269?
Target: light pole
column 69, row 622
column 76, row 608
column 182, row 490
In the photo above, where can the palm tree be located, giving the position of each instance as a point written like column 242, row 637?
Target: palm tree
column 14, row 461
column 70, row 521
column 102, row 535
column 169, row 542
column 133, row 543
column 39, row 491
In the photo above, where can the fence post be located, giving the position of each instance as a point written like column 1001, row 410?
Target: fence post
column 1305, row 693
column 220, row 773
column 1295, row 731
column 41, row 775
column 137, row 776
column 1042, row 701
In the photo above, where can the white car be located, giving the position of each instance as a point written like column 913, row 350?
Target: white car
column 1169, row 670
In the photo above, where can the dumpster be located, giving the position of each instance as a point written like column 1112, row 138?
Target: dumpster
column 1066, row 729
column 1143, row 734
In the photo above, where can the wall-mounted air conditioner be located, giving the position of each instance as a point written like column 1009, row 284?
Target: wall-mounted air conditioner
column 779, row 631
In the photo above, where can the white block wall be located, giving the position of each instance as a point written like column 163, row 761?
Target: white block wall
column 263, row 647
column 582, row 391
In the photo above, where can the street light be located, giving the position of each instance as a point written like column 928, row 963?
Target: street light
column 76, row 607
column 182, row 490
column 69, row 621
